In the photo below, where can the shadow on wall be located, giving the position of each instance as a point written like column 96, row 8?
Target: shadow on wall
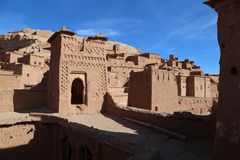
column 41, row 138
column 186, row 123
column 64, row 141
column 55, row 138
column 18, row 100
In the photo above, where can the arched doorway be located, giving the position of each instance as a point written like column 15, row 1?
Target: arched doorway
column 84, row 153
column 77, row 96
column 66, row 149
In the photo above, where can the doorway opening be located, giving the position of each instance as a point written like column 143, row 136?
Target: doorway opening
column 77, row 92
column 85, row 153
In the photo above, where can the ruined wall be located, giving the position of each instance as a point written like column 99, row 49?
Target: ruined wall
column 18, row 100
column 187, row 124
column 30, row 75
column 45, row 137
column 27, row 140
column 198, row 106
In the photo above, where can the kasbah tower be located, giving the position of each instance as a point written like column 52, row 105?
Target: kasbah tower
column 227, row 138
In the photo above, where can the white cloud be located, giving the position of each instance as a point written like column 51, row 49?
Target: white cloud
column 91, row 32
column 111, row 22
column 108, row 26
column 191, row 30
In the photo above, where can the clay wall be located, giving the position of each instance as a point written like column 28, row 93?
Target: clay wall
column 69, row 61
column 164, row 91
column 139, row 93
column 152, row 56
column 214, row 90
column 142, row 60
column 153, row 89
column 28, row 140
column 184, row 72
column 33, row 60
column 18, row 100
column 198, row 86
column 207, row 87
column 119, row 72
column 119, row 48
column 54, row 139
column 227, row 138
column 112, row 79
column 182, row 85
column 30, row 75
column 10, row 57
column 97, row 147
column 198, row 106
column 186, row 124
column 10, row 81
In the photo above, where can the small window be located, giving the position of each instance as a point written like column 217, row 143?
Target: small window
column 27, row 74
column 85, row 153
column 156, row 108
column 234, row 71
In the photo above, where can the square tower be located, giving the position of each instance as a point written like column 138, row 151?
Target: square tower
column 77, row 76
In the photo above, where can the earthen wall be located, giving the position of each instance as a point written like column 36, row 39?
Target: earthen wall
column 18, row 100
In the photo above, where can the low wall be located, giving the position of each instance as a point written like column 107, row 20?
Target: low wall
column 27, row 140
column 18, row 100
column 199, row 106
column 54, row 138
column 10, row 81
column 184, row 123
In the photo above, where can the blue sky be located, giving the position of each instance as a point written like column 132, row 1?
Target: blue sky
column 186, row 28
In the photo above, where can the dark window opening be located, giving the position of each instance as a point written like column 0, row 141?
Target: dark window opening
column 85, row 154
column 77, row 92
column 234, row 71
column 66, row 149
column 156, row 108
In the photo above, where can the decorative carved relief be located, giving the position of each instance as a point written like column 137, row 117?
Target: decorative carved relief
column 92, row 56
column 64, row 76
column 64, row 80
column 69, row 47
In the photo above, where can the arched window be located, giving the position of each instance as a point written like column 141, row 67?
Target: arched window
column 84, row 153
column 66, row 149
column 77, row 92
